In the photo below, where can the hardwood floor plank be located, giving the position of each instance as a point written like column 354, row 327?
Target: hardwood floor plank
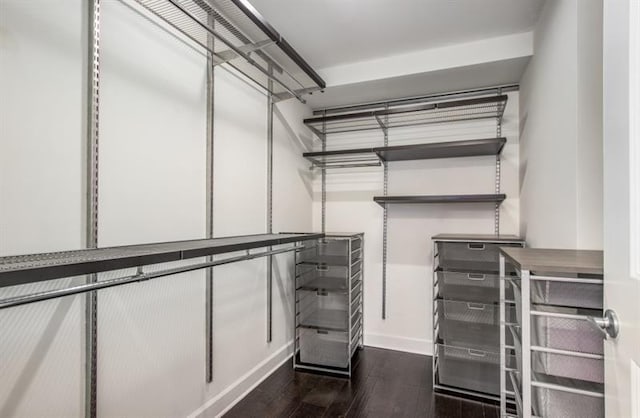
column 306, row 410
column 446, row 407
column 324, row 392
column 384, row 383
column 472, row 409
column 491, row 411
column 358, row 407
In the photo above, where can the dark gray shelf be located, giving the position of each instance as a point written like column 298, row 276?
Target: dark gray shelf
column 491, row 107
column 478, row 237
column 451, row 149
column 23, row 269
column 465, row 198
column 356, row 157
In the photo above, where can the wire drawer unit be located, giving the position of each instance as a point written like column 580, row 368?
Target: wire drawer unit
column 329, row 303
column 466, row 313
column 559, row 367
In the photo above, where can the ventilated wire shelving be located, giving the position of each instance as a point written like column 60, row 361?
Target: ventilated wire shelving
column 411, row 115
column 235, row 34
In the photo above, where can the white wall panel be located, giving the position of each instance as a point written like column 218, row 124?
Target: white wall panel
column 41, row 192
column 561, row 129
column 152, row 188
column 350, row 207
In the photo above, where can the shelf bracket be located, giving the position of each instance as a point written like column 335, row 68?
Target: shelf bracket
column 383, row 126
column 225, row 56
column 316, row 131
column 278, row 97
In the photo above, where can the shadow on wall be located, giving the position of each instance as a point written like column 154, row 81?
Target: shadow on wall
column 300, row 142
column 165, row 85
column 523, row 167
column 21, row 386
column 282, row 290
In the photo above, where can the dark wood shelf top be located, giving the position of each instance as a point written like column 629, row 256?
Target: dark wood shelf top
column 555, row 260
column 477, row 237
column 420, row 199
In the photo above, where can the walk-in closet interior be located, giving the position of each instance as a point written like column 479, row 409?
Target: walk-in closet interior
column 279, row 208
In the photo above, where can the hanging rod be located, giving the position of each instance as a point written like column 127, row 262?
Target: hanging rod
column 354, row 165
column 140, row 277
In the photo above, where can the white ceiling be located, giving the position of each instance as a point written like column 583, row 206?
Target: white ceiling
column 442, row 81
column 335, row 32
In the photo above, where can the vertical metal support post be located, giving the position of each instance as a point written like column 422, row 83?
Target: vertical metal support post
column 323, row 138
column 503, row 358
column 498, row 170
column 91, row 215
column 350, row 300
column 385, row 221
column 270, row 105
column 434, row 316
column 362, row 289
column 525, row 304
column 209, row 197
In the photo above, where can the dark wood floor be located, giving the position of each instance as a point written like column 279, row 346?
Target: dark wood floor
column 385, row 383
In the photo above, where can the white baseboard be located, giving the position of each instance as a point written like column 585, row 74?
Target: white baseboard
column 224, row 401
column 393, row 342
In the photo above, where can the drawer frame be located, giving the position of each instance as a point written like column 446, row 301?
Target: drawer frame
column 348, row 256
column 473, row 268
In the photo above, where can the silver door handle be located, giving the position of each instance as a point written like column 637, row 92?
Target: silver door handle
column 607, row 325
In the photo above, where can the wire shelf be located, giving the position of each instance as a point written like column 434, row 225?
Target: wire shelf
column 364, row 157
column 32, row 268
column 238, row 36
column 412, row 115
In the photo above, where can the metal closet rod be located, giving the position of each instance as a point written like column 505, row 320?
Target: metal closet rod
column 140, row 277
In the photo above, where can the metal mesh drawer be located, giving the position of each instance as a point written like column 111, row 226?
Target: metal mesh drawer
column 479, row 287
column 549, row 403
column 326, row 348
column 469, row 369
column 328, row 251
column 569, row 332
column 574, row 367
column 579, row 295
column 470, row 256
column 480, row 313
column 325, row 310
column 322, row 277
column 461, row 325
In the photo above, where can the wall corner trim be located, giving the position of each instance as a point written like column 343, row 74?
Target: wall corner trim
column 235, row 392
column 394, row 342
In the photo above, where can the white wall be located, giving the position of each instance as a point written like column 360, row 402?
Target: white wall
column 41, row 134
column 561, row 129
column 151, row 336
column 409, row 282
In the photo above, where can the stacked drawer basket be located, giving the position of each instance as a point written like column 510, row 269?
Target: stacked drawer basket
column 329, row 302
column 466, row 313
column 559, row 353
